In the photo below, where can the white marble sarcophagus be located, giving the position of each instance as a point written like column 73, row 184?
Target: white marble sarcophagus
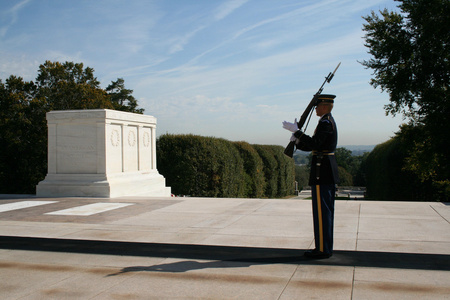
column 101, row 153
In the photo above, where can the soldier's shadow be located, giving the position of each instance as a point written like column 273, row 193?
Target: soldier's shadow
column 184, row 266
column 234, row 258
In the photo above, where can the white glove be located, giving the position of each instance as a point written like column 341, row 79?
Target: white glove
column 293, row 138
column 290, row 126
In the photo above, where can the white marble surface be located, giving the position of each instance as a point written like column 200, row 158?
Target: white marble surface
column 22, row 204
column 372, row 267
column 101, row 153
column 89, row 209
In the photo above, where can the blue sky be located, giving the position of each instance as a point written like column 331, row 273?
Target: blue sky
column 233, row 69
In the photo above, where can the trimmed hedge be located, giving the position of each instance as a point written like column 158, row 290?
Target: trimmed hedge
column 213, row 167
column 386, row 177
column 270, row 170
column 286, row 169
column 200, row 166
column 254, row 180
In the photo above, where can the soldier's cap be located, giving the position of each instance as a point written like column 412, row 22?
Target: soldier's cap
column 325, row 98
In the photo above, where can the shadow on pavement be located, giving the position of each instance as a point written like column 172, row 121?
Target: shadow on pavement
column 218, row 254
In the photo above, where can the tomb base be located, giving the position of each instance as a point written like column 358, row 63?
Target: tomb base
column 90, row 185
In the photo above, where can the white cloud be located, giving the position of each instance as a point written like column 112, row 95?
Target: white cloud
column 227, row 8
column 134, row 33
column 182, row 41
column 242, row 79
column 11, row 14
column 22, row 66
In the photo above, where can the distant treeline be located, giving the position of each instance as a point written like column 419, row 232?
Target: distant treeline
column 214, row 167
column 349, row 166
column 383, row 171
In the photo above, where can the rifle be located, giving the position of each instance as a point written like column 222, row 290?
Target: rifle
column 289, row 151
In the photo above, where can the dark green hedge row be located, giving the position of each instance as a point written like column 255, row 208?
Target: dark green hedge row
column 387, row 178
column 213, row 167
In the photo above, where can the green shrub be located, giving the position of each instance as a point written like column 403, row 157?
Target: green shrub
column 270, row 170
column 386, row 177
column 213, row 167
column 286, row 171
column 200, row 166
column 254, row 180
column 302, row 176
column 345, row 177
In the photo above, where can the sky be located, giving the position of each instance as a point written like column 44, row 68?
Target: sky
column 233, row 69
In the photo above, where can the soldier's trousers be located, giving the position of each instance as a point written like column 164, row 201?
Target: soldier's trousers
column 323, row 216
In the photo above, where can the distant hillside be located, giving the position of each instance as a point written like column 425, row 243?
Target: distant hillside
column 358, row 149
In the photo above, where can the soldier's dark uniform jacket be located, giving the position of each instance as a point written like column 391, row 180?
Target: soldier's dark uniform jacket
column 322, row 144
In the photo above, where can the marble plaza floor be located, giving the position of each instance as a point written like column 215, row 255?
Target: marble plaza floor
column 216, row 248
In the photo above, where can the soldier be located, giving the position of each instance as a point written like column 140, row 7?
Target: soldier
column 324, row 173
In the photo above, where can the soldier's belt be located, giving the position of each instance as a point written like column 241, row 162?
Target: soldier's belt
column 319, row 153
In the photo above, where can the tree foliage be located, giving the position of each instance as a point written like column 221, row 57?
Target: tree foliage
column 68, row 85
column 23, row 125
column 410, row 59
column 23, row 137
column 350, row 168
column 360, row 175
column 410, row 56
column 344, row 158
column 122, row 98
column 302, row 176
column 345, row 178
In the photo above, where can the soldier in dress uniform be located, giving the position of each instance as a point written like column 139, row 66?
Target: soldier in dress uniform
column 324, row 173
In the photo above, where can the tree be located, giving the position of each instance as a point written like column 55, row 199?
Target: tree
column 344, row 158
column 410, row 59
column 302, row 176
column 345, row 178
column 69, row 86
column 411, row 56
column 23, row 137
column 122, row 98
column 351, row 164
column 300, row 158
column 359, row 177
column 23, row 126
